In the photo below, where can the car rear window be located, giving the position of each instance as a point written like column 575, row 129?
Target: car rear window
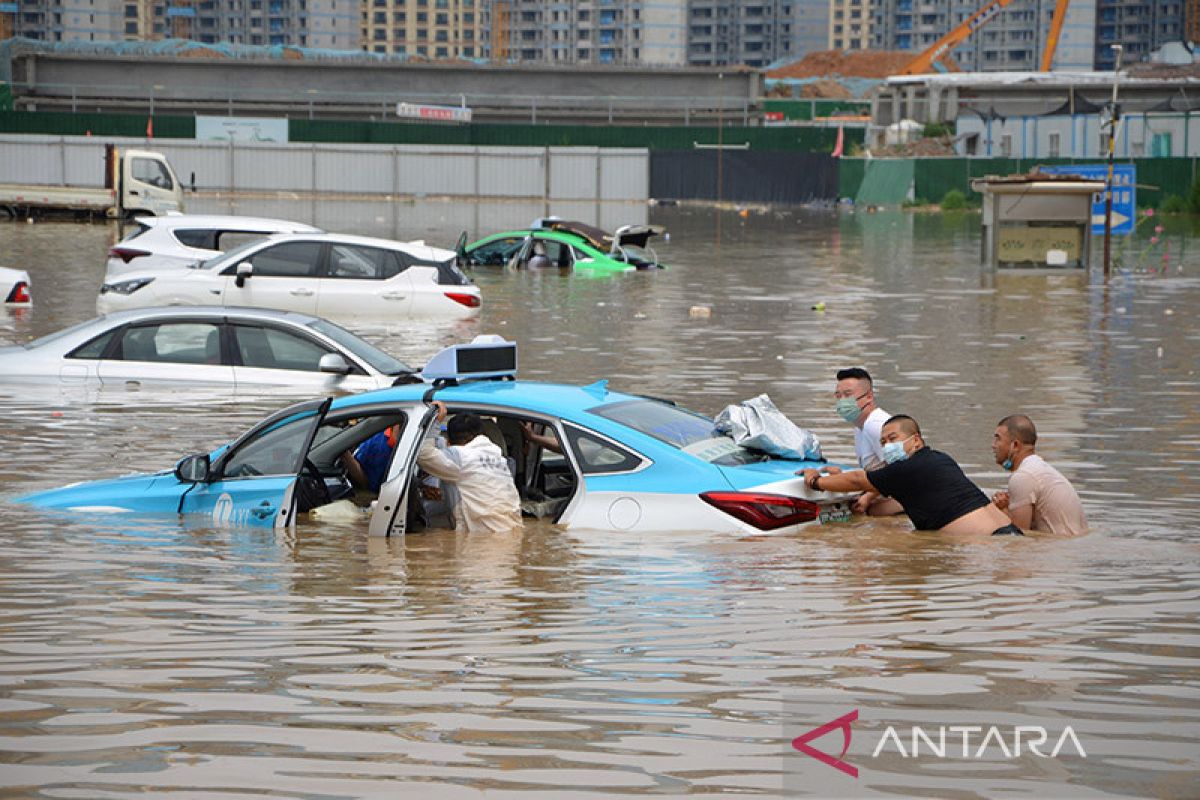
column 203, row 238
column 686, row 430
column 137, row 228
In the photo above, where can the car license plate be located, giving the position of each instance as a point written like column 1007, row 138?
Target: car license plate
column 838, row 513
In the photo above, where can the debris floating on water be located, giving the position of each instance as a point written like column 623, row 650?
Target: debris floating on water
column 700, row 312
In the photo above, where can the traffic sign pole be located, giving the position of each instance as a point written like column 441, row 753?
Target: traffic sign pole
column 1112, row 142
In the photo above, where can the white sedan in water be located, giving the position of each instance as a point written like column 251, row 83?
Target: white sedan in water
column 329, row 275
column 241, row 347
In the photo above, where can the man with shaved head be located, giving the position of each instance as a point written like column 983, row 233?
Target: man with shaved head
column 935, row 493
column 1038, row 496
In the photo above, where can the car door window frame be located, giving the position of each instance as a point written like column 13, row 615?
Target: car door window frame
column 316, row 408
column 236, row 349
column 573, row 431
column 318, row 272
column 118, row 338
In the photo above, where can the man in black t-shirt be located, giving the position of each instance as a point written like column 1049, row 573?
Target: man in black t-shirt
column 935, row 493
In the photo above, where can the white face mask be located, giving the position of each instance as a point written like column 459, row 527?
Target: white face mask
column 894, row 451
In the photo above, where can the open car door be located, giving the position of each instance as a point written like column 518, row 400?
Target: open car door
column 254, row 481
column 632, row 243
column 390, row 516
column 520, row 257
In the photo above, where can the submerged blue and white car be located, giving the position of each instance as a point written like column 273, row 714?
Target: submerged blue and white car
column 627, row 462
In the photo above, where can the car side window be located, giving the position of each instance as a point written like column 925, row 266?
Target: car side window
column 364, row 263
column 271, row 348
column 227, row 240
column 171, row 343
column 276, row 452
column 147, row 170
column 497, row 253
column 203, row 238
column 94, row 348
column 290, row 259
column 558, row 253
column 598, row 456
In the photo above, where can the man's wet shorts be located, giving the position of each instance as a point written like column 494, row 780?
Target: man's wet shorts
column 1008, row 530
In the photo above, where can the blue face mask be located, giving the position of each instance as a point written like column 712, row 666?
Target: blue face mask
column 894, row 451
column 1007, row 464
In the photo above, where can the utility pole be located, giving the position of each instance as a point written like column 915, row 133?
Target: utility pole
column 1114, row 116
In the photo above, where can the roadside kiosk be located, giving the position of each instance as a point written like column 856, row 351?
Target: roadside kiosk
column 1037, row 220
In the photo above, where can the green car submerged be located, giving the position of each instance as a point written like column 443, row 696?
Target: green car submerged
column 565, row 244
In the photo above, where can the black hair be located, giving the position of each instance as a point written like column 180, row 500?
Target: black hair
column 1020, row 428
column 907, row 424
column 464, row 427
column 855, row 372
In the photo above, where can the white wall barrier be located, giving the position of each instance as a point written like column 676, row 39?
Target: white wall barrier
column 543, row 173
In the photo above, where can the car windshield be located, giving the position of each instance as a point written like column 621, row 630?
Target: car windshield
column 232, row 255
column 690, row 432
column 379, row 360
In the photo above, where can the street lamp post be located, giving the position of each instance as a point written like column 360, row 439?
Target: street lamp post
column 1114, row 116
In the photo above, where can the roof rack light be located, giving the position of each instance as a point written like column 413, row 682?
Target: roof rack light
column 486, row 356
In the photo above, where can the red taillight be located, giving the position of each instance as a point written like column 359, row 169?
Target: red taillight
column 127, row 254
column 19, row 293
column 764, row 511
column 468, row 300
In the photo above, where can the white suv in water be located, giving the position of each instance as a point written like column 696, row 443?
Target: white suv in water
column 178, row 240
column 329, row 275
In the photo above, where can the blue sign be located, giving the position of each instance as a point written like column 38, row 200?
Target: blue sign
column 1124, row 192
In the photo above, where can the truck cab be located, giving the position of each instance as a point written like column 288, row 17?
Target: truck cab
column 147, row 183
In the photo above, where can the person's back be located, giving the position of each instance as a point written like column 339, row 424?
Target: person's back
column 933, row 489
column 1056, row 505
column 488, row 498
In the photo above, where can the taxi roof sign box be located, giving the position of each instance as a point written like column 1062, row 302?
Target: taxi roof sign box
column 487, row 356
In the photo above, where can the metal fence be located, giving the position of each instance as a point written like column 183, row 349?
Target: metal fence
column 550, row 173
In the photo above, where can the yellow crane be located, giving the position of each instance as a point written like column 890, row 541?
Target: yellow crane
column 931, row 57
column 1056, row 25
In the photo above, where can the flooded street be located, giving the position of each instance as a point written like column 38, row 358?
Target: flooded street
column 156, row 658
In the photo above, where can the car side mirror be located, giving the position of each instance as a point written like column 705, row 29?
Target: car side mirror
column 244, row 271
column 333, row 362
column 193, row 469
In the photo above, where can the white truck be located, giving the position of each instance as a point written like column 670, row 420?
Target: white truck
column 135, row 182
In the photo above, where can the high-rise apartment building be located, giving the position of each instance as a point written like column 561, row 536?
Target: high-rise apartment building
column 1013, row 39
column 584, row 31
column 64, row 20
column 850, row 24
column 1139, row 26
column 306, row 23
column 754, row 32
column 431, row 28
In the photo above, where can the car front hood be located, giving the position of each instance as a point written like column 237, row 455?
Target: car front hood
column 115, row 495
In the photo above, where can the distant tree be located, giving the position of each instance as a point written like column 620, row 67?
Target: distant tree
column 954, row 200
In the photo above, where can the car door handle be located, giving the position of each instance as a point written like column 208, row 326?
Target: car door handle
column 134, row 191
column 302, row 292
column 264, row 510
column 214, row 291
column 393, row 296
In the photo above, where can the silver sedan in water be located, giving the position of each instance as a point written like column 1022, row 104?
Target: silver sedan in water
column 239, row 347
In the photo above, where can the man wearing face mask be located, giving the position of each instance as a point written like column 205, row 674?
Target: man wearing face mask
column 855, row 396
column 1038, row 496
column 935, row 493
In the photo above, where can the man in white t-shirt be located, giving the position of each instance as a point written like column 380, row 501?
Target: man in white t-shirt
column 855, row 395
column 1038, row 497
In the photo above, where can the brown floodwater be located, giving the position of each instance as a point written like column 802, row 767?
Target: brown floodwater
column 153, row 658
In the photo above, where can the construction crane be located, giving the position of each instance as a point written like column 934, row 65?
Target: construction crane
column 931, row 57
column 1056, row 25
